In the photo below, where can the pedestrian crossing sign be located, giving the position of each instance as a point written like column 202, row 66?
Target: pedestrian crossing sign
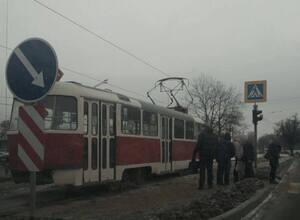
column 255, row 91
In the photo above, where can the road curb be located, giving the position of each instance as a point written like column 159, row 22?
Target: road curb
column 244, row 208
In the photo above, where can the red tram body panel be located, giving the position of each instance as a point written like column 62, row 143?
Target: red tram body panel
column 182, row 150
column 132, row 150
column 62, row 151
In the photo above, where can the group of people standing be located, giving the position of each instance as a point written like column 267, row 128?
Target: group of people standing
column 210, row 147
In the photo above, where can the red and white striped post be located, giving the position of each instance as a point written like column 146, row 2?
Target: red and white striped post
column 31, row 148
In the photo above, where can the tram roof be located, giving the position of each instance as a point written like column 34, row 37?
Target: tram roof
column 80, row 90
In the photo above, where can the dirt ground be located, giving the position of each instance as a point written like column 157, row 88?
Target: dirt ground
column 167, row 193
column 163, row 198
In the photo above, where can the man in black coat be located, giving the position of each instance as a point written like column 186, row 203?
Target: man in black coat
column 224, row 153
column 273, row 155
column 205, row 147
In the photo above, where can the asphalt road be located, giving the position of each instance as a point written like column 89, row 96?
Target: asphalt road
column 284, row 202
column 96, row 202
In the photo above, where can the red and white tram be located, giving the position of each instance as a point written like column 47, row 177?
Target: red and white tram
column 94, row 135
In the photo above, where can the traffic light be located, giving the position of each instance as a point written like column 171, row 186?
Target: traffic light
column 256, row 116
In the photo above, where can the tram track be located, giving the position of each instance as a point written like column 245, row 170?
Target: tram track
column 16, row 201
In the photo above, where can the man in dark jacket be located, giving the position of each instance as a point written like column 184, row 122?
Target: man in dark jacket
column 273, row 155
column 224, row 153
column 249, row 158
column 205, row 147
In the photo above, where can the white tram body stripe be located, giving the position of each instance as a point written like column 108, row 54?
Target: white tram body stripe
column 26, row 160
column 35, row 116
column 31, row 139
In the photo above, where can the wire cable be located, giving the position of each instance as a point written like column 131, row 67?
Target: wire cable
column 4, row 97
column 6, row 55
column 112, row 85
column 133, row 92
column 5, row 47
column 79, row 73
column 102, row 38
column 6, row 104
column 94, row 78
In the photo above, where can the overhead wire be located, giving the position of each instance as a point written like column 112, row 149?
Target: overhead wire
column 99, row 37
column 113, row 44
column 133, row 92
column 86, row 75
column 6, row 54
column 79, row 73
column 265, row 120
column 110, row 84
column 6, row 104
column 126, row 90
column 283, row 99
column 93, row 78
column 5, row 47
column 8, row 97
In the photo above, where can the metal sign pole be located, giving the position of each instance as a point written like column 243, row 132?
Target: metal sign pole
column 32, row 193
column 31, row 73
column 255, row 137
column 255, row 91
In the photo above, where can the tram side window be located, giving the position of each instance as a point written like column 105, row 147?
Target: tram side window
column 150, row 124
column 61, row 112
column 179, row 128
column 112, row 119
column 104, row 153
column 112, row 153
column 94, row 153
column 65, row 117
column 86, row 117
column 131, row 120
column 94, row 119
column 189, row 130
column 86, row 154
column 104, row 120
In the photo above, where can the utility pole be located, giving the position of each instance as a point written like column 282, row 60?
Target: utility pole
column 255, row 136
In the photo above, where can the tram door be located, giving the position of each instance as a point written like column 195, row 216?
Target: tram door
column 91, row 146
column 166, row 143
column 108, row 140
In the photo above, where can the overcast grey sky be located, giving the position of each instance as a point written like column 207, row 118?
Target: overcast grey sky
column 232, row 40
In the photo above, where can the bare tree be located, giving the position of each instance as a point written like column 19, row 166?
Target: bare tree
column 288, row 131
column 216, row 104
column 264, row 141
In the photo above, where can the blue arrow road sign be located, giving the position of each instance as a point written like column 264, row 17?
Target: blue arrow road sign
column 31, row 70
column 256, row 91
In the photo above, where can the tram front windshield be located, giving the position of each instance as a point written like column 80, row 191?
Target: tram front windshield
column 61, row 113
